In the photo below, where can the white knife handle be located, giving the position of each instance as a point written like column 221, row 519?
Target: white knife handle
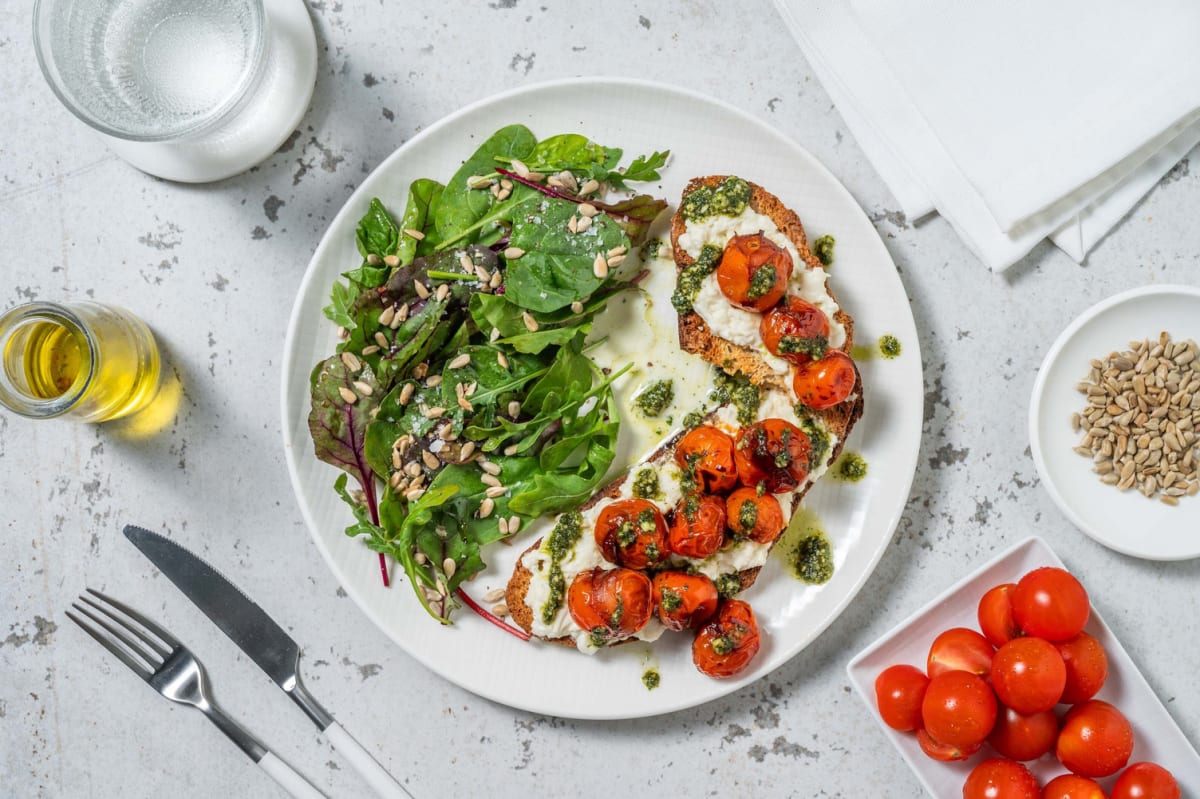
column 292, row 782
column 380, row 781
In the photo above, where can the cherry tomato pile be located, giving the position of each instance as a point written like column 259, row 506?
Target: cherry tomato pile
column 1025, row 687
column 753, row 274
column 728, row 486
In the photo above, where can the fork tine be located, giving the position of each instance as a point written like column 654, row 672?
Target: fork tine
column 123, row 636
column 163, row 635
column 138, row 668
column 158, row 648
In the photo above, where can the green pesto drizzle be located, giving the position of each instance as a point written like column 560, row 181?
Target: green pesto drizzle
column 562, row 539
column 728, row 198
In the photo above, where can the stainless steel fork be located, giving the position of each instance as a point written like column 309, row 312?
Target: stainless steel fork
column 171, row 669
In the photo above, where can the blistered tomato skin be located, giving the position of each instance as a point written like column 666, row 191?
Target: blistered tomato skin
column 632, row 533
column 795, row 330
column 727, row 644
column 706, row 453
column 899, row 691
column 1096, row 739
column 759, row 518
column 773, row 452
column 697, row 526
column 826, row 382
column 610, row 604
column 998, row 778
column 684, row 601
column 754, row 271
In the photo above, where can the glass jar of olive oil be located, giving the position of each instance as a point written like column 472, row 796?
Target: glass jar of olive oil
column 82, row 360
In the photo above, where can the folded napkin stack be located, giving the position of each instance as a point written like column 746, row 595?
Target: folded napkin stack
column 1016, row 120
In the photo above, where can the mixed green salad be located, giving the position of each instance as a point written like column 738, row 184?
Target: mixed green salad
column 461, row 398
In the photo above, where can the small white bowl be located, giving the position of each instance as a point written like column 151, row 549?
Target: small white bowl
column 1156, row 735
column 1125, row 521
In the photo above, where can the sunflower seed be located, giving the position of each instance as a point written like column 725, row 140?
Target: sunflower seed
column 583, row 224
column 493, row 595
column 587, row 209
column 496, row 491
column 502, row 360
column 577, row 307
column 460, row 361
column 513, row 253
column 600, row 267
column 489, row 479
column 486, row 507
column 349, row 396
column 479, row 182
column 514, row 409
column 530, row 323
column 503, row 525
column 429, row 459
column 466, row 451
column 363, row 388
column 500, row 610
column 590, row 187
column 449, row 566
column 489, row 467
column 407, row 392
column 421, row 289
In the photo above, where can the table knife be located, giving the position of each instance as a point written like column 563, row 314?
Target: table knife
column 261, row 639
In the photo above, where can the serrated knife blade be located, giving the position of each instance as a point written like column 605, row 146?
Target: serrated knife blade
column 256, row 634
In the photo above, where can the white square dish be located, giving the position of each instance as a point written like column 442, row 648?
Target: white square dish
column 1156, row 735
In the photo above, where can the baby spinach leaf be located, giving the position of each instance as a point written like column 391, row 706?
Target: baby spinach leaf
column 377, row 234
column 460, row 207
column 557, row 267
column 569, row 151
column 421, row 196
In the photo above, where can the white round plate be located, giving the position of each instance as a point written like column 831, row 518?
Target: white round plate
column 256, row 131
column 705, row 137
column 1127, row 522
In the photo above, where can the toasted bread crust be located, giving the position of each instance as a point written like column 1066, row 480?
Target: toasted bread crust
column 694, row 334
column 695, row 337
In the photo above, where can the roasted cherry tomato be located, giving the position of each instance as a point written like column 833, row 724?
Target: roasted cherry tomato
column 998, row 778
column 1145, row 781
column 825, row 382
column 754, row 271
column 946, row 753
column 1095, row 740
column 960, row 649
column 632, row 533
column 898, row 693
column 1087, row 668
column 706, row 454
column 697, row 526
column 684, row 600
column 725, row 645
column 772, row 452
column 610, row 604
column 1028, row 675
column 1024, row 737
column 1072, row 786
column 795, row 330
column 759, row 518
column 996, row 615
column 959, row 709
column 1050, row 603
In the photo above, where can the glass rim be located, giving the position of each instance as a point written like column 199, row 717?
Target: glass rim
column 46, row 62
column 23, row 403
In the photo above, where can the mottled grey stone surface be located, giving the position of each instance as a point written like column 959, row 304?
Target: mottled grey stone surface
column 214, row 270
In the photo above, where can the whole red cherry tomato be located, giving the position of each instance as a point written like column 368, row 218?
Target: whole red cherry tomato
column 1028, row 675
column 962, row 649
column 773, row 452
column 998, row 778
column 706, row 454
column 1145, row 781
column 684, row 600
column 944, row 752
column 1024, row 737
column 610, row 604
column 726, row 645
column 824, row 383
column 1087, row 667
column 632, row 533
column 1095, row 740
column 697, row 526
column 1072, row 786
column 996, row 615
column 898, row 693
column 754, row 271
column 759, row 518
column 959, row 708
column 1050, row 603
column 795, row 330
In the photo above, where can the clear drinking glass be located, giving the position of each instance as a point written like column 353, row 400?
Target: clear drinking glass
column 85, row 360
column 151, row 70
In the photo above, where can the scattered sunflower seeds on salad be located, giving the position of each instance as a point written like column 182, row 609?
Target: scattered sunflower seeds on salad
column 461, row 398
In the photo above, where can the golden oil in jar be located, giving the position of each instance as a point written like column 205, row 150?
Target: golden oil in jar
column 85, row 360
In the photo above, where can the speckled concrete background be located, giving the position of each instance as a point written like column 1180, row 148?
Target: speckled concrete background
column 213, row 269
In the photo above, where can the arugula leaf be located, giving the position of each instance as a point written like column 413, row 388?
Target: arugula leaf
column 557, row 267
column 460, row 208
column 339, row 309
column 646, row 168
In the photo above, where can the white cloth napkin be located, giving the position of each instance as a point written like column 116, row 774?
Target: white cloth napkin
column 1014, row 119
